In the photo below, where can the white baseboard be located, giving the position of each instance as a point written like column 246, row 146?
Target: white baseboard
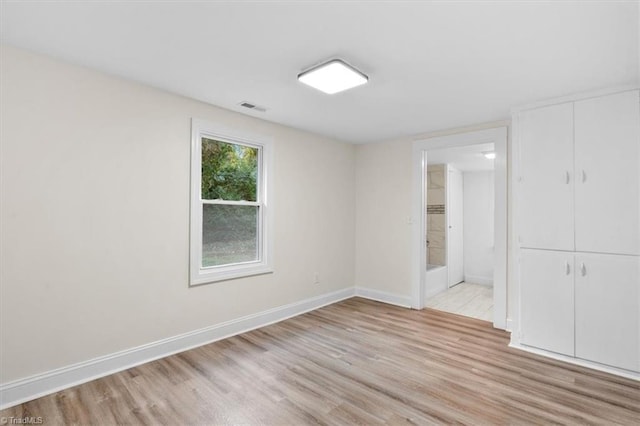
column 509, row 325
column 476, row 279
column 33, row 387
column 383, row 296
column 577, row 361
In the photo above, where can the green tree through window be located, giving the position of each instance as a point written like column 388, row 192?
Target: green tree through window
column 229, row 171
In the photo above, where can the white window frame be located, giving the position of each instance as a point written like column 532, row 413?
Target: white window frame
column 198, row 274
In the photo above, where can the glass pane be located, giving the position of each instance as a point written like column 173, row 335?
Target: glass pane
column 229, row 171
column 229, row 234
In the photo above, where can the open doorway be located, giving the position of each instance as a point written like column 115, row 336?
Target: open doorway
column 427, row 283
column 459, row 185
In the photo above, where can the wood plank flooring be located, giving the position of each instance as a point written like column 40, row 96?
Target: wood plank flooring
column 354, row 362
column 468, row 299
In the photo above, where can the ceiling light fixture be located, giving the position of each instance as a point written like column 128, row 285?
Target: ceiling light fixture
column 490, row 155
column 333, row 77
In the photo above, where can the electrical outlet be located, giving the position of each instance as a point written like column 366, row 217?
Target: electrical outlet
column 316, row 278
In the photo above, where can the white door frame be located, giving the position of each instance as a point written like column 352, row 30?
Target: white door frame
column 497, row 136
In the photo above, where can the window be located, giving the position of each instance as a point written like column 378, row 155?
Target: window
column 229, row 210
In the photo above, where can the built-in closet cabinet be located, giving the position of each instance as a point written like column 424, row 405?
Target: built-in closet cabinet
column 583, row 305
column 547, row 291
column 607, row 314
column 546, row 177
column 579, row 178
column 607, row 168
column 577, row 197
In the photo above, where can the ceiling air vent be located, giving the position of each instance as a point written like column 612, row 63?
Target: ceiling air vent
column 254, row 107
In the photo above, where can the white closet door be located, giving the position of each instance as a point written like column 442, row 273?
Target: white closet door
column 608, row 309
column 455, row 232
column 607, row 166
column 547, row 315
column 545, row 187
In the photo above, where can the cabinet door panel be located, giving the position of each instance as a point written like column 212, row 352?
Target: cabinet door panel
column 547, row 315
column 608, row 309
column 545, row 190
column 607, row 166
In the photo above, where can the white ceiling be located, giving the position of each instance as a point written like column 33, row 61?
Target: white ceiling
column 468, row 158
column 432, row 65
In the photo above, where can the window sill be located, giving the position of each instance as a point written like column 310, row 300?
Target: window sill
column 203, row 277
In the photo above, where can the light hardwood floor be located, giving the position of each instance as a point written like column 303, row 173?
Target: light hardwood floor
column 354, row 362
column 468, row 299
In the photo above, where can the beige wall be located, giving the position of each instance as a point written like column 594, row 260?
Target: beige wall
column 383, row 210
column 95, row 216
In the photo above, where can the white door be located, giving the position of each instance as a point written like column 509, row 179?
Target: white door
column 545, row 188
column 546, row 280
column 608, row 309
column 454, row 212
column 607, row 166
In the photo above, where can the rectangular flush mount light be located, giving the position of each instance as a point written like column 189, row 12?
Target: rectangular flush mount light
column 333, row 77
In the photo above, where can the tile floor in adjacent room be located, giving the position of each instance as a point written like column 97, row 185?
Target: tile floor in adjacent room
column 468, row 299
